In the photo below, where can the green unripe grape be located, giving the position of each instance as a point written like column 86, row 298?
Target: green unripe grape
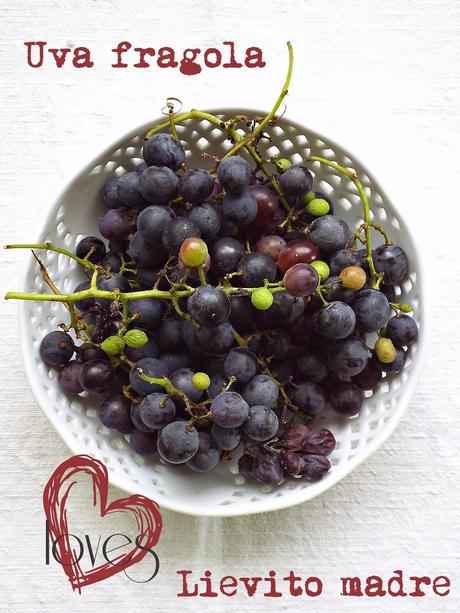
column 385, row 350
column 262, row 298
column 201, row 380
column 135, row 338
column 113, row 345
column 405, row 308
column 307, row 198
column 322, row 269
column 282, row 164
column 318, row 207
column 193, row 252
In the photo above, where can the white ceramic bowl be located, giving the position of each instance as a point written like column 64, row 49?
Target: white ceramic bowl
column 222, row 492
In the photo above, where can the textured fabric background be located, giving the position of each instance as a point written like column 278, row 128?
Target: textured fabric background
column 382, row 78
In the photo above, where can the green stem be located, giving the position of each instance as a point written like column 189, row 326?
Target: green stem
column 50, row 247
column 252, row 135
column 376, row 278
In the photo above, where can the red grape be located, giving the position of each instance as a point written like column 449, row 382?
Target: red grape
column 296, row 252
column 301, row 280
column 267, row 204
column 271, row 245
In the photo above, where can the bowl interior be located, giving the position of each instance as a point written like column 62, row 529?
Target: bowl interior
column 221, row 492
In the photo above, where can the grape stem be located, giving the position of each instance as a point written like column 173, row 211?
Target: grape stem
column 376, row 278
column 49, row 247
column 240, row 141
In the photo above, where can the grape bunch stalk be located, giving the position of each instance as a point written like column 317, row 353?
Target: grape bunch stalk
column 227, row 308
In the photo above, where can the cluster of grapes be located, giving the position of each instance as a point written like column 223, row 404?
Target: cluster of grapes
column 218, row 316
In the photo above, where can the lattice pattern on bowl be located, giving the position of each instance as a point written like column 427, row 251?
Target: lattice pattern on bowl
column 222, row 492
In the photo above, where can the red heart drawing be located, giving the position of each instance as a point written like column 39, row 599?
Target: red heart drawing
column 56, row 492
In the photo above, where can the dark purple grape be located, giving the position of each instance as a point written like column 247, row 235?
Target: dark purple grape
column 147, row 278
column 111, row 262
column 296, row 180
column 151, row 222
column 346, row 399
column 90, row 248
column 261, row 390
column 88, row 352
column 292, row 462
column 118, row 246
column 152, row 367
column 175, row 233
column 321, row 442
column 295, row 436
column 245, row 464
column 316, row 466
column 116, row 224
column 209, row 306
column 128, row 190
column 136, row 418
column 143, row 443
column 240, row 208
column 309, row 398
column 240, row 363
column 392, row 261
column 96, row 376
column 169, row 335
column 158, row 184
column 115, row 414
column 196, row 185
column 174, row 361
column 215, row 340
column 148, row 312
column 229, row 410
column 207, row 217
column 178, row 442
column 266, row 468
column 146, row 255
column 182, row 380
column 342, row 259
column 335, row 321
column 68, row 378
column 256, row 268
column 348, row 357
column 225, row 255
column 334, row 290
column 109, row 192
column 226, row 439
column 395, row 366
column 110, row 283
column 208, row 455
column 402, row 330
column 368, row 378
column 163, row 150
column 277, row 344
column 234, row 174
column 156, row 410
column 284, row 311
column 372, row 310
column 389, row 291
column 85, row 304
column 242, row 314
column 148, row 350
column 218, row 383
column 312, row 366
column 56, row 348
column 261, row 424
column 329, row 233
